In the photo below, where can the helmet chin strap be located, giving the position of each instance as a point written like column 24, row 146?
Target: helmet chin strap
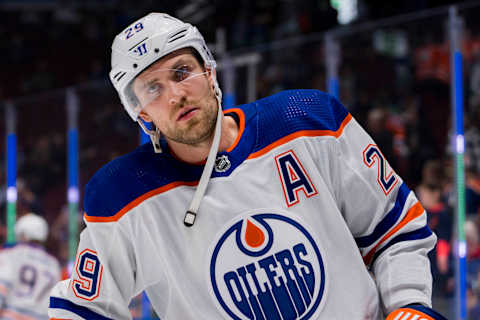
column 153, row 134
column 191, row 213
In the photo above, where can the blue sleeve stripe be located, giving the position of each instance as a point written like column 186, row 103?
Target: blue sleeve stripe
column 137, row 201
column 418, row 234
column 58, row 303
column 388, row 221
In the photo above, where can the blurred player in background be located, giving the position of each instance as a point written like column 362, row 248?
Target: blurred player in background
column 277, row 209
column 27, row 271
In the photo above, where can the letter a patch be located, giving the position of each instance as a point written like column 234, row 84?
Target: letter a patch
column 293, row 177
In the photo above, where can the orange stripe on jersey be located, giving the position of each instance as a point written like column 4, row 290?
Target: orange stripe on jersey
column 414, row 212
column 303, row 133
column 408, row 314
column 138, row 200
column 239, row 112
column 241, row 128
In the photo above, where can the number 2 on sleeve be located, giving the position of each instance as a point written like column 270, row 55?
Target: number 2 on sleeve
column 89, row 275
column 371, row 155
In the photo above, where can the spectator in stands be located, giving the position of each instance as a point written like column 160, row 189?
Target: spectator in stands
column 472, row 238
column 475, row 79
column 472, row 192
column 430, row 194
column 27, row 200
column 473, row 306
column 472, row 161
column 472, row 138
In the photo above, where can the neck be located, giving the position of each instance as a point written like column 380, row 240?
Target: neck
column 199, row 152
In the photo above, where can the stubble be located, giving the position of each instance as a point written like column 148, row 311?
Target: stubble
column 198, row 129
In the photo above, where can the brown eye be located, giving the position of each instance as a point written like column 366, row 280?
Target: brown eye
column 181, row 73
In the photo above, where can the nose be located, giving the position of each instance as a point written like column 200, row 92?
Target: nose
column 176, row 93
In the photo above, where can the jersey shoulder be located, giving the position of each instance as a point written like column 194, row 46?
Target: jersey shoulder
column 298, row 112
column 131, row 176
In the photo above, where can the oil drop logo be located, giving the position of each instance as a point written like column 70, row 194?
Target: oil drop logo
column 267, row 266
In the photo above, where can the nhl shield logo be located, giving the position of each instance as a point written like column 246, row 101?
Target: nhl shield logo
column 222, row 163
column 267, row 266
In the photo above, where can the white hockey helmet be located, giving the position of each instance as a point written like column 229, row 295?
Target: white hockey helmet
column 145, row 41
column 135, row 49
column 31, row 227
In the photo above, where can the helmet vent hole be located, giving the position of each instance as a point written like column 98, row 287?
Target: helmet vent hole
column 135, row 65
column 156, row 50
column 177, row 35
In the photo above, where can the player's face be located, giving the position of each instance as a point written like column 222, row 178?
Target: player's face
column 176, row 93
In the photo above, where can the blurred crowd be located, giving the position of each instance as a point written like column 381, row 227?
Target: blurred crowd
column 395, row 82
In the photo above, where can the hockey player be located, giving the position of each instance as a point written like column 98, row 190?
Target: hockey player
column 27, row 272
column 276, row 209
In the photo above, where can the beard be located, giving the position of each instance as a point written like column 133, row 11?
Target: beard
column 198, row 129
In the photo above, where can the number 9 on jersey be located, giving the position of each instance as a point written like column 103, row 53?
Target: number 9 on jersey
column 89, row 275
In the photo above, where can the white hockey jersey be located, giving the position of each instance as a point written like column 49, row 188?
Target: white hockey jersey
column 296, row 213
column 27, row 274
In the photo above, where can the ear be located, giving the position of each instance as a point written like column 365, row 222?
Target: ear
column 145, row 117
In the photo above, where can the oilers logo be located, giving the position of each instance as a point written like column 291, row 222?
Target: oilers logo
column 267, row 266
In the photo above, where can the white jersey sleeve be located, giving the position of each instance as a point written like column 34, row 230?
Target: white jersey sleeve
column 385, row 218
column 102, row 281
